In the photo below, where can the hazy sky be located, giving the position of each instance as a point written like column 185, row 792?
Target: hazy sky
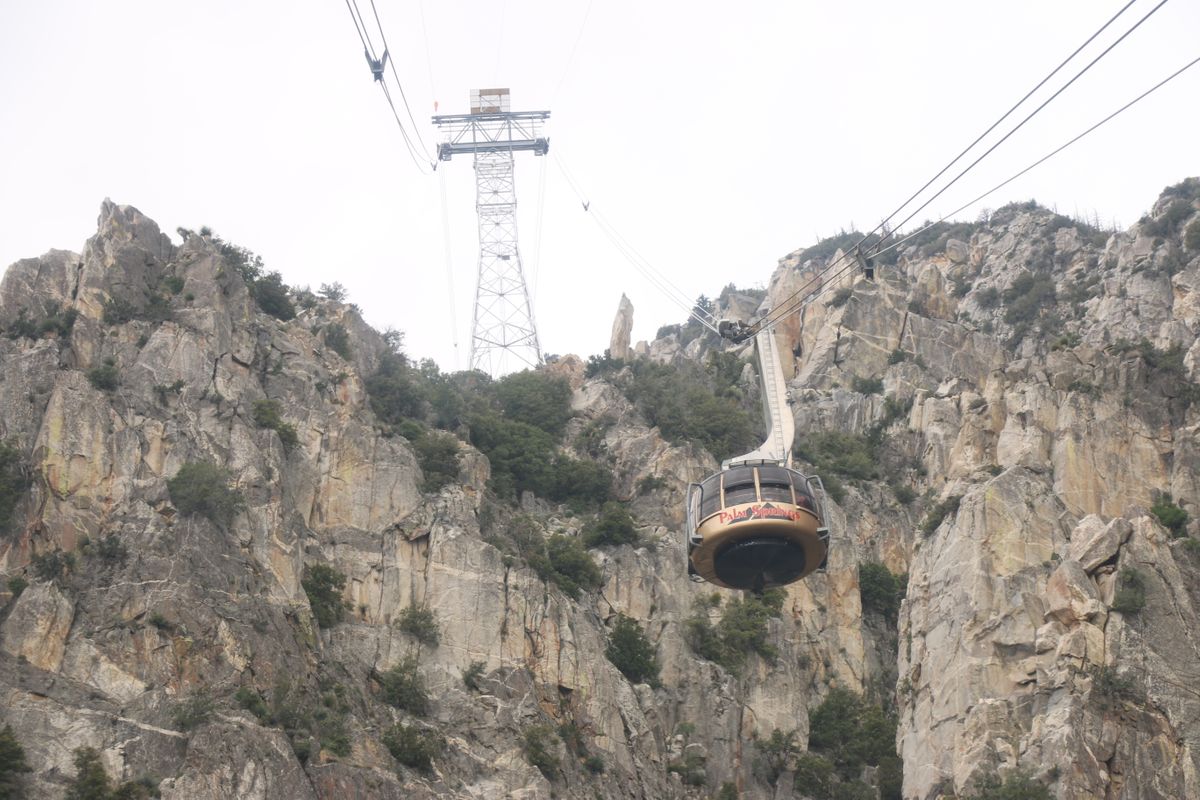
column 715, row 137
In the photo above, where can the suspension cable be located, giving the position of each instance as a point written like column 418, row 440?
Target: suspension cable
column 1031, row 115
column 785, row 307
column 639, row 262
column 774, row 319
column 1005, row 116
column 400, row 86
column 412, row 149
column 1046, row 157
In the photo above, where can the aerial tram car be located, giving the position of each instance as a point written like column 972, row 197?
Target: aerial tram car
column 758, row 523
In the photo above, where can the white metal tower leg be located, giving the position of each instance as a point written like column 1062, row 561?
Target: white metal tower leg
column 503, row 334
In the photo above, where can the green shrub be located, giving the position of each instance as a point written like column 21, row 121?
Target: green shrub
column 204, row 489
column 14, row 481
column 897, row 356
column 651, row 483
column 988, row 297
column 1165, row 368
column 682, row 403
column 16, row 585
column 880, row 590
column 890, row 778
column 521, row 455
column 52, row 565
column 1015, row 786
column 269, row 414
column 173, row 284
column 420, row 622
column 437, row 453
column 689, row 768
column 565, row 563
column 193, row 712
column 538, row 746
column 59, row 321
column 302, row 718
column 337, row 339
column 1191, row 236
column 1110, row 689
column 161, row 390
column 413, row 747
column 594, row 764
column 106, row 377
column 395, row 390
column 1131, row 592
column 1172, row 517
column 775, row 754
column 1167, row 223
column 537, row 399
column 109, row 549
column 728, row 791
column 1192, row 547
column 742, row 629
column 939, row 512
column 840, row 297
column 1030, row 294
column 12, row 764
column 867, row 385
column 614, row 526
column 403, row 687
column 904, row 494
column 271, row 294
column 334, row 292
column 631, row 652
column 846, row 454
column 851, row 732
column 91, row 781
column 472, row 674
column 248, row 698
column 833, row 487
column 323, row 584
column 119, row 310
column 813, row 776
column 581, row 482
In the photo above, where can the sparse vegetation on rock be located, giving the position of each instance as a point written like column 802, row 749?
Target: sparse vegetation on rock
column 413, row 746
column 14, row 482
column 323, row 584
column 404, row 687
column 205, row 490
column 420, row 622
column 631, row 652
column 269, row 414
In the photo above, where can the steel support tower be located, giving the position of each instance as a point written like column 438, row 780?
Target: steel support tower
column 503, row 335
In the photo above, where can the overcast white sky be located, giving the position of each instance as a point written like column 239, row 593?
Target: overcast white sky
column 716, row 137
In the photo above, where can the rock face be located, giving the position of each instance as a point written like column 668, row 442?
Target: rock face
column 1029, row 389
column 618, row 344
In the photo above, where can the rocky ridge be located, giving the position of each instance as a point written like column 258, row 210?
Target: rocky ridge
column 1036, row 397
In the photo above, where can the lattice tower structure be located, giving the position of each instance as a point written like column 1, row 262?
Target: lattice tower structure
column 503, row 333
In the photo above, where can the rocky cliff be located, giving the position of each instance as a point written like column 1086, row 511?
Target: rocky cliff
column 1024, row 395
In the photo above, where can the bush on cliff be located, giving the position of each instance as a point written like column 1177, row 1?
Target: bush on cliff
column 631, row 652
column 14, row 482
column 537, row 399
column 12, row 763
column 204, row 489
column 323, row 584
